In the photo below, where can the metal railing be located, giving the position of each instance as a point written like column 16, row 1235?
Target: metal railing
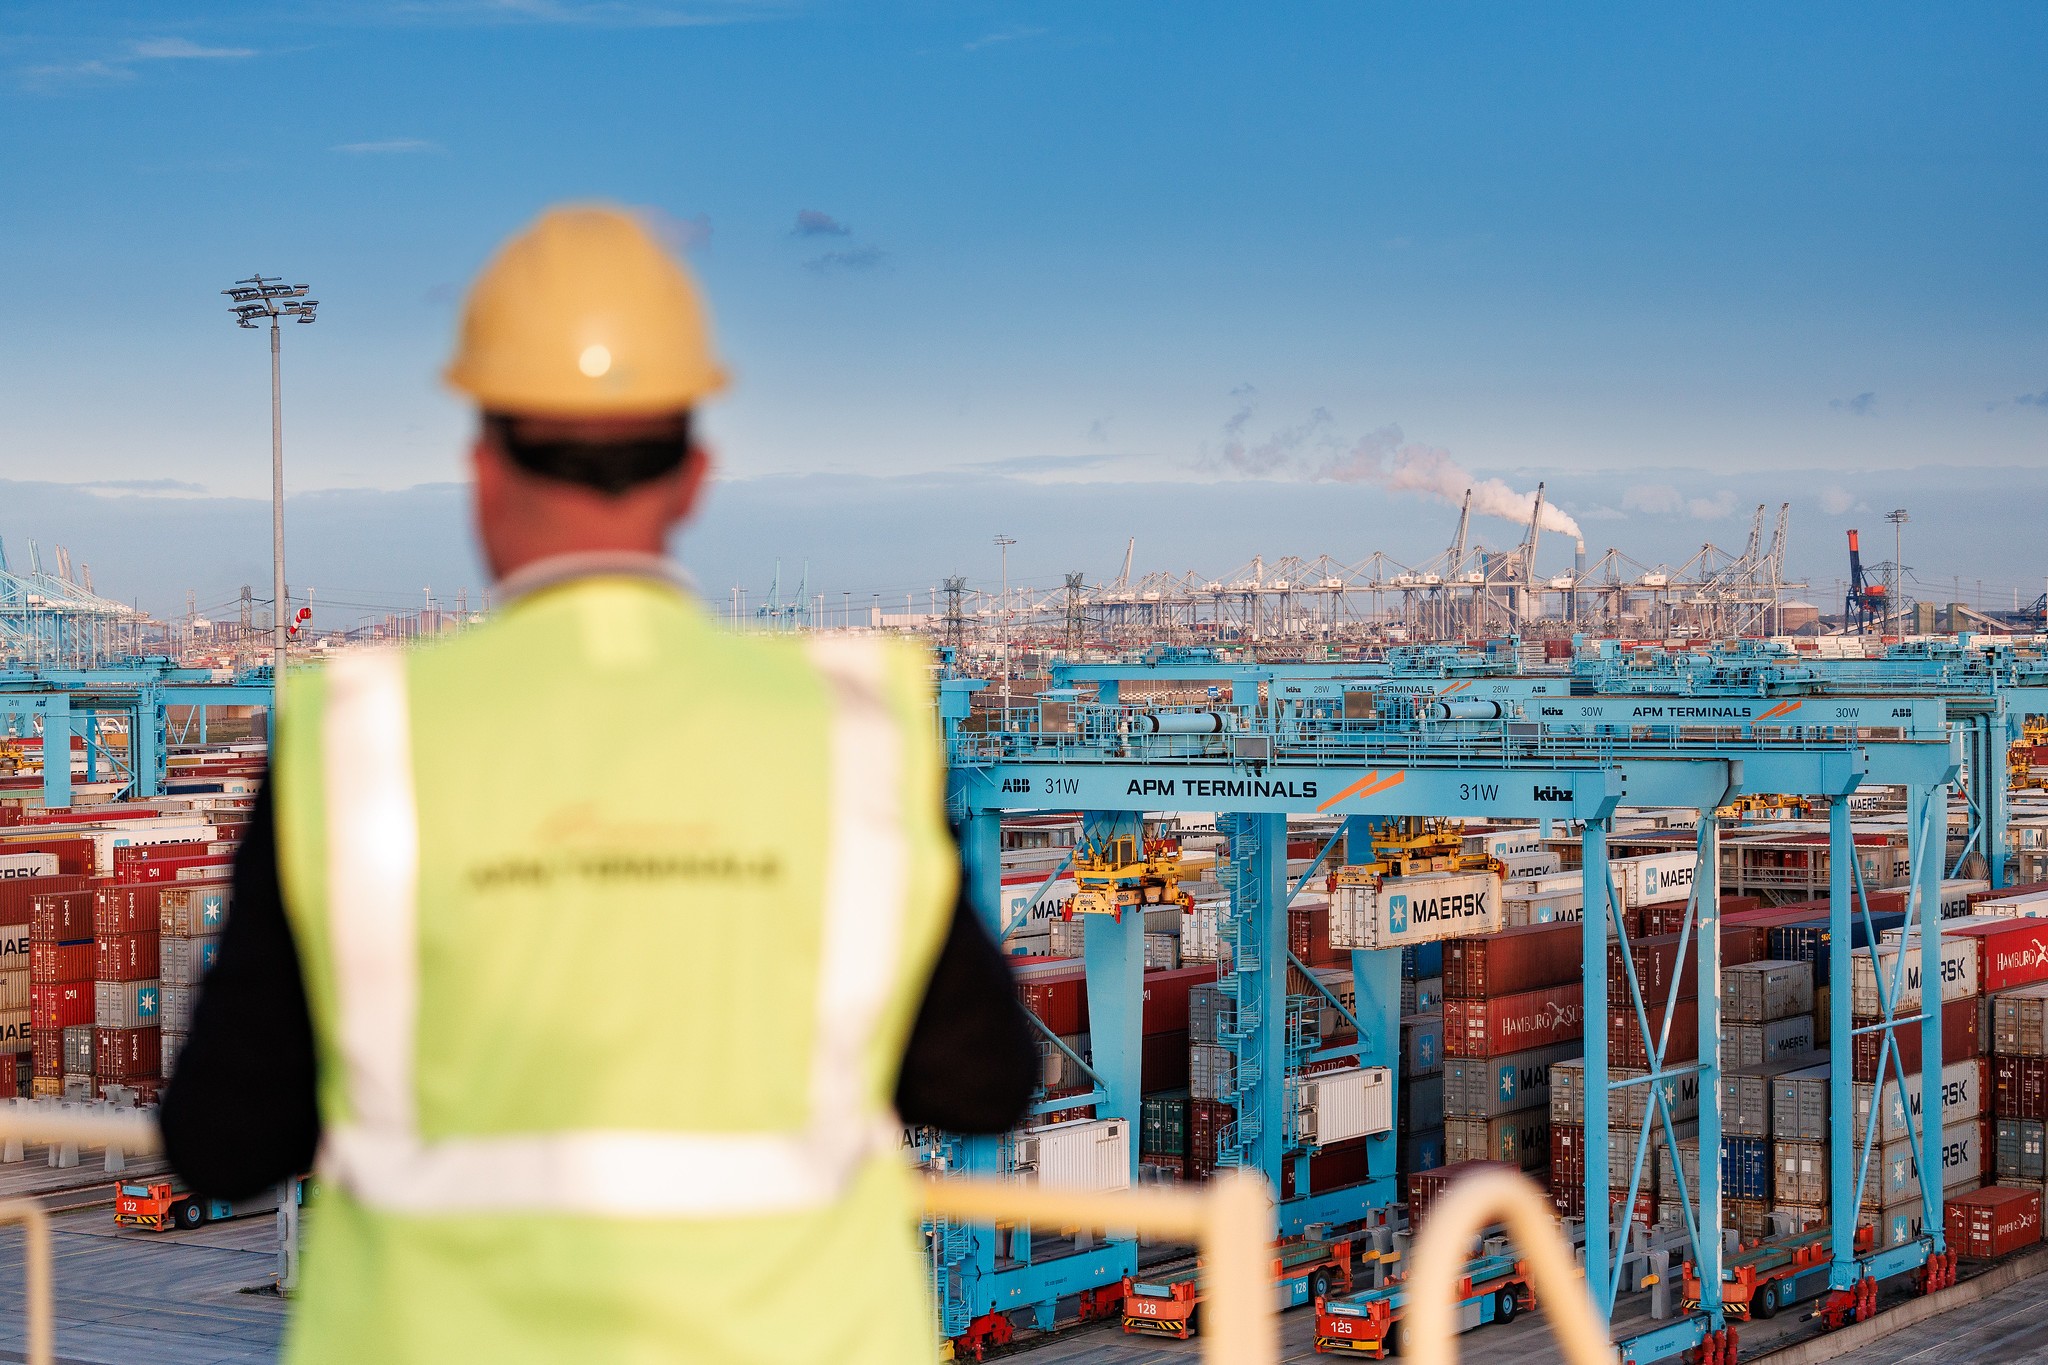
column 1230, row 1220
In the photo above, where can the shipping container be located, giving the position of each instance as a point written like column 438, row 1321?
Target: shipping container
column 1514, row 1023
column 2019, row 1022
column 2010, row 953
column 1659, row 961
column 1763, row 1044
column 126, row 957
column 2017, row 1149
column 1209, row 1010
column 1422, row 1149
column 1749, row 1217
column 76, row 1045
column 55, row 1006
column 1874, row 968
column 1894, row 1177
column 1746, row 1168
column 1983, row 1225
column 1424, row 1187
column 1627, row 1103
column 1212, row 1072
column 1420, row 1102
column 2019, row 1087
column 126, row 1004
column 1568, row 1092
column 1512, row 961
column 1487, row 1087
column 1522, row 1140
column 1961, row 1023
column 127, row 1054
column 1765, row 991
column 1409, row 910
column 1162, row 952
column 1812, row 940
column 1746, row 1095
column 49, row 963
column 1799, row 1172
column 1965, row 1094
column 1799, row 1105
column 1568, row 1168
column 185, row 961
column 1335, row 1106
column 1898, row 1224
column 1625, row 1045
column 1422, row 1044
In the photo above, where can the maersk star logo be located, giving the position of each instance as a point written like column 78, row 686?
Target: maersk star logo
column 1507, row 1082
column 210, row 910
column 1427, row 1047
column 1899, row 1172
column 1397, row 914
column 145, row 1004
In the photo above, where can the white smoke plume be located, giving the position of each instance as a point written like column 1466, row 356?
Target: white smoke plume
column 1381, row 458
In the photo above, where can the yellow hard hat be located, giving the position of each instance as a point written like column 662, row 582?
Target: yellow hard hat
column 585, row 315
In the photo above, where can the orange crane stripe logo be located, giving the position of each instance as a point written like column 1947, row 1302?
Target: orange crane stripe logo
column 1372, row 784
column 1454, row 687
column 1783, row 708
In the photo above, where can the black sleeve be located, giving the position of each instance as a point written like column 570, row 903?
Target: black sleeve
column 241, row 1113
column 972, row 1062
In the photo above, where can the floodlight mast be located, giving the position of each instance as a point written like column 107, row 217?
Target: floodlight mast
column 251, row 301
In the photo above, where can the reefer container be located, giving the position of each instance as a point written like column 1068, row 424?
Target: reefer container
column 1335, row 1105
column 1520, row 1139
column 1086, row 1154
column 1895, row 1178
column 1799, row 1106
column 1983, row 1225
column 1960, row 1037
column 2019, row 1022
column 1514, row 1023
column 1408, row 910
column 1746, row 1095
column 1512, row 961
column 1766, row 991
column 1871, row 968
column 1763, row 1044
column 1965, row 1092
column 1487, row 1087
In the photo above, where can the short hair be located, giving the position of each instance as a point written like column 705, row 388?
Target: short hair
column 611, row 467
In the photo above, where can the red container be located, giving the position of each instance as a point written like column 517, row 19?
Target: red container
column 1514, row 1023
column 129, row 859
column 126, row 957
column 1960, row 1039
column 210, row 868
column 61, row 917
column 75, row 857
column 146, row 1091
column 1207, row 1121
column 1166, row 1000
column 1333, row 1167
column 64, row 1005
column 46, row 1052
column 1425, row 1187
column 124, row 910
column 1568, row 1168
column 1163, row 1061
column 2019, row 1087
column 127, row 1054
column 17, row 894
column 1975, row 898
column 1308, row 937
column 1625, row 1046
column 2014, row 953
column 49, row 963
column 1528, row 958
column 1983, row 1225
column 1058, row 995
column 1657, row 962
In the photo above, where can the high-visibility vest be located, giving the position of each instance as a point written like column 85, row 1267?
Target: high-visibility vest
column 613, row 928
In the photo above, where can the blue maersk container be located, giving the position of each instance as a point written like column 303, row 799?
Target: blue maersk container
column 1745, row 1168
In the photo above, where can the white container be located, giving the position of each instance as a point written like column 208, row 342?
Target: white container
column 1958, row 975
column 14, row 990
column 133, row 833
column 1955, row 895
column 1407, row 910
column 1085, row 1154
column 1198, row 937
column 1019, row 892
column 21, row 866
column 1962, row 1097
column 1656, row 877
column 1533, row 863
column 1162, row 952
column 1507, row 844
column 2034, row 905
column 1335, row 1105
column 1895, row 1179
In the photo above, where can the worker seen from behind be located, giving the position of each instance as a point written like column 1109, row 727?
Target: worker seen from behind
column 596, row 950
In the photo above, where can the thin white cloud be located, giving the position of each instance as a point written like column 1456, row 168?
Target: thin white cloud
column 183, row 49
column 392, row 146
column 1012, row 34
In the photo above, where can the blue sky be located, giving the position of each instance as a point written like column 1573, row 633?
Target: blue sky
column 1083, row 243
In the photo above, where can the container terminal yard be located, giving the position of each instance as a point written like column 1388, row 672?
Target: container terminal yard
column 1358, row 916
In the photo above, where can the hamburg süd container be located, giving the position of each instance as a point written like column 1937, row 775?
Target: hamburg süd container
column 1514, row 1023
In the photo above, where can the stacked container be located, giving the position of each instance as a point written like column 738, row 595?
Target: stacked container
column 127, row 988
column 1496, row 1092
column 60, row 962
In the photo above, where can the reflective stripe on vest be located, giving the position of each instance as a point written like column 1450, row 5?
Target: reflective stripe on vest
column 372, row 909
